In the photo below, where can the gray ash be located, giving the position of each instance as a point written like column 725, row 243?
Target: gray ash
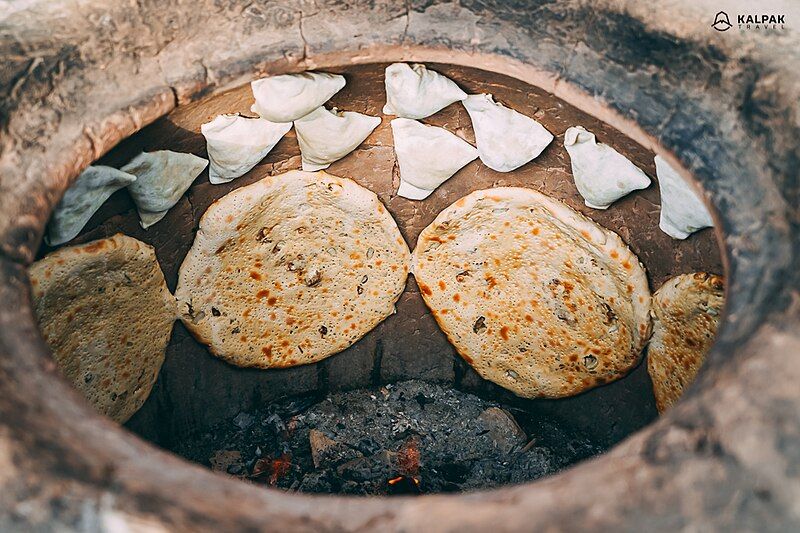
column 410, row 437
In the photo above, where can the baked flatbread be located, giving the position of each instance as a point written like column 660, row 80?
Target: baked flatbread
column 536, row 297
column 107, row 315
column 686, row 312
column 291, row 269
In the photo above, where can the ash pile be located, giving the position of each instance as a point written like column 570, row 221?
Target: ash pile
column 408, row 438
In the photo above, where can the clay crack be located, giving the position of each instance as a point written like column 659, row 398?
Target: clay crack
column 302, row 37
column 408, row 22
column 193, row 213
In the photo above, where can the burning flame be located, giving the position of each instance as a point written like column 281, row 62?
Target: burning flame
column 404, row 485
column 398, row 479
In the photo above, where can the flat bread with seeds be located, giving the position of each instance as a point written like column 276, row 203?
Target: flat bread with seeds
column 291, row 269
column 106, row 312
column 536, row 297
column 686, row 312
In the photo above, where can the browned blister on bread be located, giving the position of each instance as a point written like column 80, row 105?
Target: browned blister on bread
column 291, row 269
column 686, row 311
column 536, row 297
column 106, row 312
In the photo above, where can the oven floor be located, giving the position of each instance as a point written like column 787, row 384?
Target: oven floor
column 406, row 438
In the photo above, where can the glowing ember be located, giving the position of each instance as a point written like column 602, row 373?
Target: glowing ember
column 271, row 468
column 408, row 457
column 403, row 439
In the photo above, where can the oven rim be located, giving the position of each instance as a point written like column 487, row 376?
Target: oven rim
column 89, row 465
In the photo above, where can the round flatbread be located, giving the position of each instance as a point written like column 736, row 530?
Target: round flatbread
column 106, row 312
column 536, row 297
column 291, row 269
column 686, row 311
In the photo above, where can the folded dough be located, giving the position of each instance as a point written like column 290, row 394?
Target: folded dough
column 82, row 200
column 506, row 139
column 288, row 97
column 427, row 156
column 416, row 92
column 236, row 144
column 602, row 175
column 327, row 136
column 161, row 179
column 682, row 211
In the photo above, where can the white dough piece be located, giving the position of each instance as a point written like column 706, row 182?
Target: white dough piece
column 506, row 139
column 602, row 175
column 287, row 97
column 236, row 144
column 427, row 156
column 327, row 136
column 682, row 211
column 416, row 92
column 161, row 179
column 83, row 198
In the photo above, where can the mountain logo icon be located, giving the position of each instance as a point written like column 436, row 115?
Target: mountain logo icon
column 721, row 22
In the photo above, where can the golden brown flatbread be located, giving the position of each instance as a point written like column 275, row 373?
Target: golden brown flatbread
column 291, row 269
column 106, row 312
column 686, row 312
column 536, row 297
